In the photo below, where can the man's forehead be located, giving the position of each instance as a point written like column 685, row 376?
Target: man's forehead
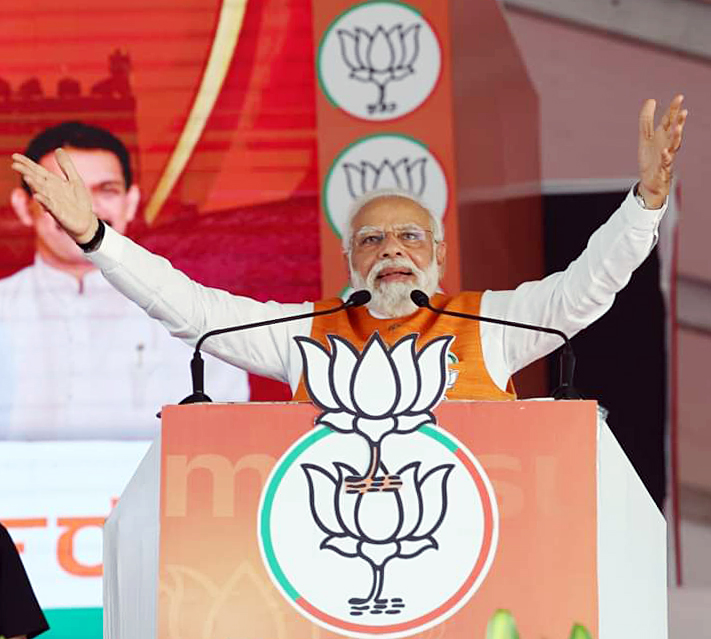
column 389, row 210
column 93, row 165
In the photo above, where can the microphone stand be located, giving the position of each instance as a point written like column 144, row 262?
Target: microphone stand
column 565, row 389
column 197, row 364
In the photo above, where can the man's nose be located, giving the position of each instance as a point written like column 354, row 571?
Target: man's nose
column 96, row 204
column 390, row 246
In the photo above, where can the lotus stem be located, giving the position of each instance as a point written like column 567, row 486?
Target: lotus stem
column 375, row 590
column 374, row 461
column 370, row 482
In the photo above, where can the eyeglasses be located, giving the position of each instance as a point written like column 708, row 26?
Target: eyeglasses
column 370, row 238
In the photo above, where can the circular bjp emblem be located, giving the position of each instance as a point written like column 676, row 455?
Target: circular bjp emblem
column 379, row 60
column 377, row 522
column 383, row 162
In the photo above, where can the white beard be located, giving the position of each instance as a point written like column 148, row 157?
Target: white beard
column 392, row 299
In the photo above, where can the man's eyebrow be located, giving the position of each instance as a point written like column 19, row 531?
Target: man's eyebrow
column 369, row 229
column 398, row 227
column 116, row 182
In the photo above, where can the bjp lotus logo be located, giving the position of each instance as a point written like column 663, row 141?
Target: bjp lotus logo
column 377, row 495
column 386, row 55
column 358, row 529
column 376, row 393
column 383, row 161
column 406, row 174
column 379, row 60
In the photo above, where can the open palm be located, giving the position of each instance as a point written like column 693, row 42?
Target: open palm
column 64, row 196
column 657, row 149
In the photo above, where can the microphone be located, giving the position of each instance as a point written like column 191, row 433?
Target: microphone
column 565, row 390
column 197, row 364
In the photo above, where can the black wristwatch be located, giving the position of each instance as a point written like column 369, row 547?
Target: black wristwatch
column 95, row 241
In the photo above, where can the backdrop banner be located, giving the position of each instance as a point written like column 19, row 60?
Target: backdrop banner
column 54, row 497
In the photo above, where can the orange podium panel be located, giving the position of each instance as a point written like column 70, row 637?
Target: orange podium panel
column 252, row 522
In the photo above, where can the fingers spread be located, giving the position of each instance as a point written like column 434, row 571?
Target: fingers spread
column 22, row 159
column 672, row 113
column 677, row 132
column 646, row 119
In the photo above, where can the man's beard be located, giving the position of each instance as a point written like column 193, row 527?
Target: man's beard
column 392, row 299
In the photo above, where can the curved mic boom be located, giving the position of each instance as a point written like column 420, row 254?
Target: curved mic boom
column 197, row 364
column 565, row 390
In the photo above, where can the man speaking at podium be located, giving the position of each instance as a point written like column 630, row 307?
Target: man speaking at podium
column 394, row 246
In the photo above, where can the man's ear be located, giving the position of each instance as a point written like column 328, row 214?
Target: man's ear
column 133, row 197
column 21, row 203
column 441, row 256
column 347, row 264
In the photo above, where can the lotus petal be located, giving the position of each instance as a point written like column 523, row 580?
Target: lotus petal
column 400, row 170
column 378, row 516
column 322, row 488
column 410, row 423
column 343, row 362
column 349, row 51
column 410, row 549
column 316, row 363
column 340, row 421
column 395, row 35
column 404, row 355
column 432, row 362
column 362, row 75
column 381, row 55
column 387, row 177
column 416, row 176
column 433, row 491
column 403, row 72
column 371, row 176
column 363, row 39
column 411, row 500
column 345, row 546
column 355, row 179
column 346, row 502
column 376, row 386
column 411, row 45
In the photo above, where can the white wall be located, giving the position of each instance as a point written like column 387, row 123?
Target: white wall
column 591, row 85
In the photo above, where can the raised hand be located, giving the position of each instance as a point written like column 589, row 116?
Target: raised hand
column 64, row 196
column 658, row 148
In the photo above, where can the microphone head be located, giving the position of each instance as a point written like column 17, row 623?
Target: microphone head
column 420, row 298
column 358, row 298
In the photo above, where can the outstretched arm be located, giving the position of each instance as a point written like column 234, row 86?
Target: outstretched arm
column 184, row 307
column 573, row 299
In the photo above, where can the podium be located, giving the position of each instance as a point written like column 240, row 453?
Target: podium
column 240, row 523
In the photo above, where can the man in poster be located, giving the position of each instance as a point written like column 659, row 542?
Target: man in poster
column 81, row 361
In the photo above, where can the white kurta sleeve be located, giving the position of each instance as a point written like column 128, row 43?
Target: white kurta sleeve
column 189, row 310
column 569, row 300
